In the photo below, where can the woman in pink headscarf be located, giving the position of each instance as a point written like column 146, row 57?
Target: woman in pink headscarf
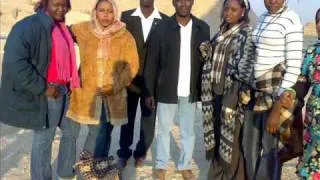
column 109, row 61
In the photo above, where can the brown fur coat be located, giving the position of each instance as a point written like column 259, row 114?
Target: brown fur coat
column 116, row 73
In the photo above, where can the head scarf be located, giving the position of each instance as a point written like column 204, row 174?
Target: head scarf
column 105, row 34
column 247, row 4
column 284, row 7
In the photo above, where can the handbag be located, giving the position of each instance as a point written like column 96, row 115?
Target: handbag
column 89, row 168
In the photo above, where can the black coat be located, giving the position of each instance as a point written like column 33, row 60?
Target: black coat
column 134, row 26
column 25, row 63
column 163, row 60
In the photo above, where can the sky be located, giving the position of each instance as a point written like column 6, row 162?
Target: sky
column 305, row 8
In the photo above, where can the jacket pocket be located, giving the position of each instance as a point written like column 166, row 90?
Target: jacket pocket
column 23, row 100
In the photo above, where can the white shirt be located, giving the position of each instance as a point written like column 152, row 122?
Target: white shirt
column 185, row 60
column 146, row 22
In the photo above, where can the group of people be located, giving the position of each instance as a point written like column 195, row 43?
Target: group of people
column 251, row 83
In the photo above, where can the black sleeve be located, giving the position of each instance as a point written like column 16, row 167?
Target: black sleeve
column 151, row 68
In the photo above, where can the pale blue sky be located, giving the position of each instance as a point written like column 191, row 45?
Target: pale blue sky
column 305, row 8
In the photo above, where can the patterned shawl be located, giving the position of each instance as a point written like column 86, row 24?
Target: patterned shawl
column 235, row 47
column 268, row 86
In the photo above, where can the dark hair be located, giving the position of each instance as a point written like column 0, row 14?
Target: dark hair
column 317, row 18
column 242, row 3
column 42, row 4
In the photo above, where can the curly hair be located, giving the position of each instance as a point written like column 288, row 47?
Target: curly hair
column 42, row 4
column 244, row 4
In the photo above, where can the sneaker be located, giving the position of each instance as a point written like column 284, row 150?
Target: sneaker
column 187, row 174
column 139, row 162
column 122, row 163
column 160, row 174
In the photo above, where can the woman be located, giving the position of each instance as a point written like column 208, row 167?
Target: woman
column 278, row 40
column 226, row 77
column 38, row 71
column 309, row 165
column 109, row 61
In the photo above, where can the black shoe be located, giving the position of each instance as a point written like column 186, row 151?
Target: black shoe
column 122, row 163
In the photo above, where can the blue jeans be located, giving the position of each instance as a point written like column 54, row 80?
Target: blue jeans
column 185, row 112
column 99, row 137
column 43, row 138
column 261, row 149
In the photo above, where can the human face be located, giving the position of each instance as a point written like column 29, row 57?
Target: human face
column 105, row 14
column 57, row 9
column 273, row 6
column 146, row 3
column 183, row 7
column 232, row 12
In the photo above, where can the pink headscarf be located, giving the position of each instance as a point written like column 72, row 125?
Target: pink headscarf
column 105, row 34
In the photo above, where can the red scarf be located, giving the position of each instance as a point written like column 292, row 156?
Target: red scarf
column 63, row 68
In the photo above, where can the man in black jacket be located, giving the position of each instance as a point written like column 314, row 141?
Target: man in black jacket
column 173, row 70
column 141, row 22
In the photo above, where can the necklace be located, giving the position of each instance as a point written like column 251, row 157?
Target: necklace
column 261, row 30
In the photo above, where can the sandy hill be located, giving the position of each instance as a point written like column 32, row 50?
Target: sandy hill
column 310, row 29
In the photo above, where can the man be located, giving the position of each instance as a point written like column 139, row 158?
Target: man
column 278, row 38
column 173, row 70
column 141, row 22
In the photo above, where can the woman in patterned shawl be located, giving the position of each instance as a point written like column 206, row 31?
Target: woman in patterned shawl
column 227, row 72
column 309, row 165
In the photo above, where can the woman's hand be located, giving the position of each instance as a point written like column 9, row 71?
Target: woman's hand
column 52, row 92
column 287, row 99
column 228, row 114
column 273, row 121
column 205, row 50
column 245, row 97
column 104, row 91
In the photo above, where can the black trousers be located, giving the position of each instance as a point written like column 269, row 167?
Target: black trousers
column 147, row 127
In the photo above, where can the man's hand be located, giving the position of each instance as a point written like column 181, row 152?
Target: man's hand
column 52, row 92
column 150, row 103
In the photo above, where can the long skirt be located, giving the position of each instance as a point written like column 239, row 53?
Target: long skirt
column 220, row 169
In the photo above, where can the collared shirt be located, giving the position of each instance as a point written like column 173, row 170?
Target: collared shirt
column 146, row 22
column 185, row 60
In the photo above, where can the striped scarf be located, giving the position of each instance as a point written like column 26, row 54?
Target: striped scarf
column 222, row 41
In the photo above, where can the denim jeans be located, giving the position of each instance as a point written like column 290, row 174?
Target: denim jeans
column 261, row 149
column 43, row 138
column 99, row 137
column 185, row 112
